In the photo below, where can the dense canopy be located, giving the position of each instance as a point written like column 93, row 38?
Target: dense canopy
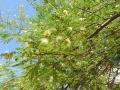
column 67, row 44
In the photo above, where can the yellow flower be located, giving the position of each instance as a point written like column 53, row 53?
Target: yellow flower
column 81, row 19
column 27, row 44
column 65, row 12
column 51, row 79
column 117, row 6
column 68, row 41
column 47, row 33
column 59, row 38
column 44, row 40
column 69, row 28
column 78, row 63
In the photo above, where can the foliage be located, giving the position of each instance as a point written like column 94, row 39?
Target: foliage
column 56, row 52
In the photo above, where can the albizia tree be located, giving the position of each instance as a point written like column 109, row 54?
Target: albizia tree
column 68, row 44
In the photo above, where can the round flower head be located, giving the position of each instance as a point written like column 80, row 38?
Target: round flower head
column 65, row 12
column 81, row 19
column 68, row 41
column 47, row 33
column 44, row 41
column 78, row 63
column 27, row 44
column 69, row 28
column 51, row 79
column 59, row 38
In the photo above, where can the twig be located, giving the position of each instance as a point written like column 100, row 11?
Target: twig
column 103, row 25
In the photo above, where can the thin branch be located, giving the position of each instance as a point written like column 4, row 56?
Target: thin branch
column 103, row 25
column 62, row 54
column 55, row 53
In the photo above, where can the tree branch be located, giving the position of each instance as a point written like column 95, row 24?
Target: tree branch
column 61, row 53
column 103, row 25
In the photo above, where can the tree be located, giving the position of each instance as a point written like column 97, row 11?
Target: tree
column 69, row 44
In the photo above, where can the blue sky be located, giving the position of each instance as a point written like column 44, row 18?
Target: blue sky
column 10, row 6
